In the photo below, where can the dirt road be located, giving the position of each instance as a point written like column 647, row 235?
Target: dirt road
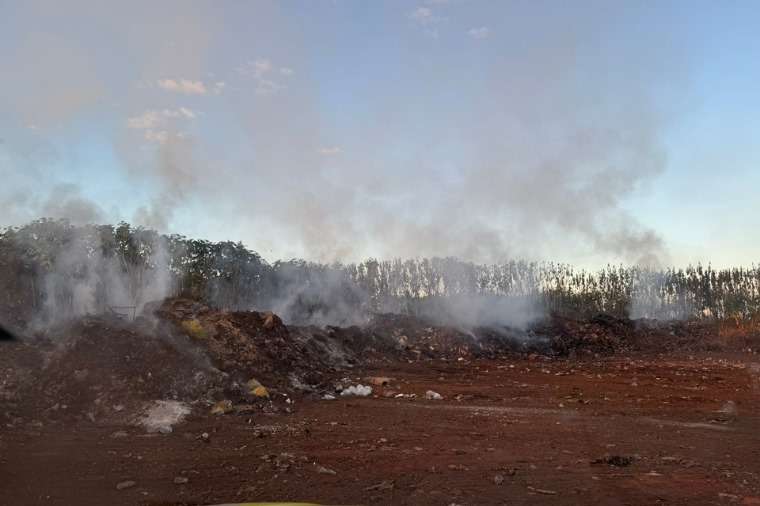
column 641, row 430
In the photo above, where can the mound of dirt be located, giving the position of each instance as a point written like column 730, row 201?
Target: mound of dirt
column 102, row 368
column 422, row 339
column 251, row 344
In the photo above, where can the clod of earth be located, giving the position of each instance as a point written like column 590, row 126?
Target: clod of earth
column 616, row 460
column 378, row 381
column 125, row 484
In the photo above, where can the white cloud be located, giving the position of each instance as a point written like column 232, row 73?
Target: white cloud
column 154, row 123
column 184, row 86
column 187, row 113
column 479, row 33
column 148, row 119
column 159, row 136
column 329, row 150
column 426, row 19
column 422, row 15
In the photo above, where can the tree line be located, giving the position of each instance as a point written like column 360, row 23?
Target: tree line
column 54, row 266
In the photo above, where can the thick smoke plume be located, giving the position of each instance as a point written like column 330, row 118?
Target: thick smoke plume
column 543, row 143
column 62, row 271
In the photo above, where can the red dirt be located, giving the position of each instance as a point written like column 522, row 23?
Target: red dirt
column 509, row 431
column 615, row 412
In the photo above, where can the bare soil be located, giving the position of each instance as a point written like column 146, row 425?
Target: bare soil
column 631, row 428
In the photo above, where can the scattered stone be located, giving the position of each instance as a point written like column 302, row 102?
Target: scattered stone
column 542, row 491
column 325, row 470
column 379, row 381
column 125, row 484
column 357, row 390
column 119, row 434
column 383, row 485
column 180, row 480
column 205, row 437
column 729, row 408
column 433, row 396
column 498, row 479
column 328, row 397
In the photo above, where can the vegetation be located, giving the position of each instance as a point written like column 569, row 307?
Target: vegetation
column 46, row 263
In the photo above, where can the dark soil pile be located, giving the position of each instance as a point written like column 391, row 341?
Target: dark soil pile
column 103, row 368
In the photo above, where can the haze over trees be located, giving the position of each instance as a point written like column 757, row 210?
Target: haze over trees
column 50, row 269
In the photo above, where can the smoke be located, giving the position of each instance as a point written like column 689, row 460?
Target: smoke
column 652, row 298
column 243, row 123
column 80, row 272
column 473, row 310
column 318, row 295
column 65, row 201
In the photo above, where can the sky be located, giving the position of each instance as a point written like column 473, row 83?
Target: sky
column 582, row 132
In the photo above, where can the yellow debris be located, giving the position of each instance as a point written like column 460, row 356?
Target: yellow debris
column 257, row 389
column 222, row 407
column 194, row 328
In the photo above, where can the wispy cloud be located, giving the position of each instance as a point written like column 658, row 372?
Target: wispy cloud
column 329, row 151
column 190, row 87
column 479, row 33
column 426, row 18
column 422, row 15
column 263, row 72
column 184, row 86
column 154, row 123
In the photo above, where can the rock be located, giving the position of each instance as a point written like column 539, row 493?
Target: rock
column 729, row 409
column 433, row 396
column 379, row 381
column 325, row 470
column 328, row 397
column 358, row 390
column 180, row 480
column 498, row 479
column 383, row 485
column 119, row 434
column 222, row 407
column 271, row 320
column 125, row 484
column 205, row 437
column 542, row 491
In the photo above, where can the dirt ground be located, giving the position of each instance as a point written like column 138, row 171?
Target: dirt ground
column 635, row 429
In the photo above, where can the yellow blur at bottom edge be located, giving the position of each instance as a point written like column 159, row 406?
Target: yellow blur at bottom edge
column 268, row 504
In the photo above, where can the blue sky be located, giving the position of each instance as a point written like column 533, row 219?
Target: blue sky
column 585, row 132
